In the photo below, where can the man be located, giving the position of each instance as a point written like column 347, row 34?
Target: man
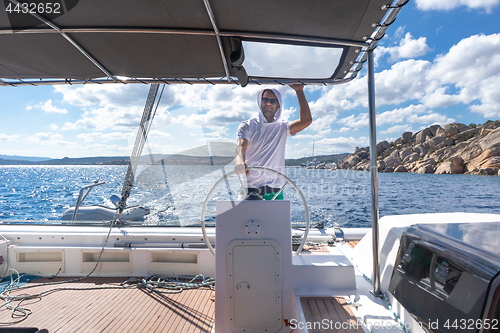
column 261, row 141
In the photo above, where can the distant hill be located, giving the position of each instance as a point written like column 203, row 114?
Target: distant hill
column 24, row 158
column 221, row 153
column 15, row 162
column 101, row 160
column 335, row 158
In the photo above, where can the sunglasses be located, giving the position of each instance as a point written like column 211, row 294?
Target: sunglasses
column 269, row 100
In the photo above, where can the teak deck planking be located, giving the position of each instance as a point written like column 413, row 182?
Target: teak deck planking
column 114, row 310
column 329, row 315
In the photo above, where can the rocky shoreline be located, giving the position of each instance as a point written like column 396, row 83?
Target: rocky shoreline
column 454, row 149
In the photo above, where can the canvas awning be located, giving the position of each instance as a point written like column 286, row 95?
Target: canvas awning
column 180, row 40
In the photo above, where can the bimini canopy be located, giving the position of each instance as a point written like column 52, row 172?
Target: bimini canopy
column 186, row 41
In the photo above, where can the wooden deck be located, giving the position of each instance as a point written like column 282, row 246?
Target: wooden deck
column 352, row 243
column 311, row 249
column 338, row 314
column 115, row 310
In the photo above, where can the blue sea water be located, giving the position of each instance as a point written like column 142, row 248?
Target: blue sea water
column 176, row 193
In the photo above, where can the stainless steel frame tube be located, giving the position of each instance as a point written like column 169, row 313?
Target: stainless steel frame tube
column 373, row 174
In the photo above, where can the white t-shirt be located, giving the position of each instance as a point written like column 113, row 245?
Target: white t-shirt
column 266, row 146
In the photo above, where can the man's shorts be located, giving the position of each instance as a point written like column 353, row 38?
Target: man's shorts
column 265, row 192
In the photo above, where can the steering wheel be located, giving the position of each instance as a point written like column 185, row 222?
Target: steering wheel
column 304, row 203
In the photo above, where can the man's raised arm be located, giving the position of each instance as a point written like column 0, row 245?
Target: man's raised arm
column 305, row 113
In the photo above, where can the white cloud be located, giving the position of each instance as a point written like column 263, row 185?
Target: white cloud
column 115, row 107
column 400, row 115
column 218, row 105
column 47, row 138
column 468, row 74
column 344, row 130
column 47, row 107
column 426, row 5
column 119, row 107
column 321, row 124
column 408, row 48
column 398, row 129
column 472, row 59
column 280, row 60
column 103, row 150
column 311, row 137
column 342, row 144
column 431, row 118
column 104, row 95
column 104, row 137
column 5, row 138
column 411, row 114
column 404, row 81
column 490, row 98
column 220, row 134
column 158, row 134
column 473, row 67
column 356, row 121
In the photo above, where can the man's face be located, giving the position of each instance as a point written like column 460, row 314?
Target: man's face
column 269, row 104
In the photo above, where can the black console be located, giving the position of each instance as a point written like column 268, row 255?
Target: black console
column 447, row 276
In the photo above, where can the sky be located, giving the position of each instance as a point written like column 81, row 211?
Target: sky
column 438, row 63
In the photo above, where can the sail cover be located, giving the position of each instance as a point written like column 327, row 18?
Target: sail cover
column 175, row 39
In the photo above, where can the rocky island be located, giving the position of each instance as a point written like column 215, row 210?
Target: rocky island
column 454, row 149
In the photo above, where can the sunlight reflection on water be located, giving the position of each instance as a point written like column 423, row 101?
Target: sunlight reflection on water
column 176, row 193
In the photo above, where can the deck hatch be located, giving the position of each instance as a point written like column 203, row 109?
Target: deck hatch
column 254, row 282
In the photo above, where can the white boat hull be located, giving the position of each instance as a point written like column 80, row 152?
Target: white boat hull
column 103, row 213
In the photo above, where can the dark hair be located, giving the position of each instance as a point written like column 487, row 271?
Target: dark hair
column 268, row 90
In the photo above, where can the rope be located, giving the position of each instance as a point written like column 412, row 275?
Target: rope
column 173, row 285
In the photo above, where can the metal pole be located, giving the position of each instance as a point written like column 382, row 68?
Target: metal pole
column 217, row 35
column 373, row 174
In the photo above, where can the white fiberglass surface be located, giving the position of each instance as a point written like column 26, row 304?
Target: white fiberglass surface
column 287, row 61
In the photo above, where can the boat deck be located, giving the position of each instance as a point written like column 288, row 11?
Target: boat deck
column 329, row 314
column 101, row 304
column 114, row 310
column 352, row 244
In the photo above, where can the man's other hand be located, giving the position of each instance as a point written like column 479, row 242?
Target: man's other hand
column 241, row 168
column 297, row 86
